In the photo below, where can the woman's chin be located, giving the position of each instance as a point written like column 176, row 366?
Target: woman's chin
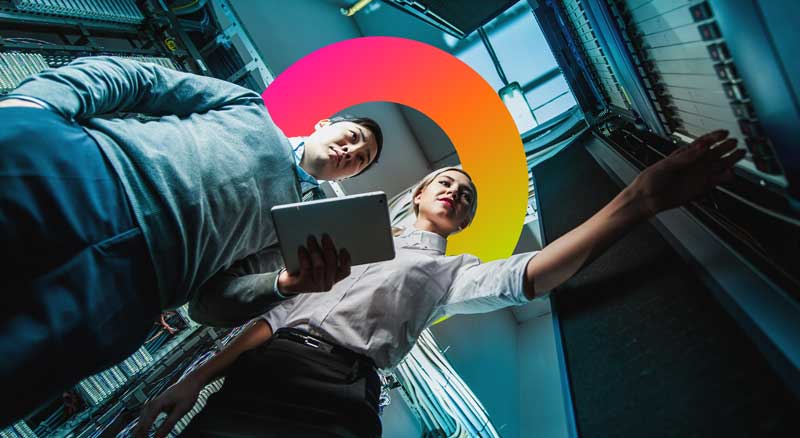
column 446, row 227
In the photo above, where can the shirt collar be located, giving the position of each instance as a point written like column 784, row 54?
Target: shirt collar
column 414, row 238
column 298, row 147
column 307, row 182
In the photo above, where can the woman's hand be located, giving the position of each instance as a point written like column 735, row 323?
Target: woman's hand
column 176, row 401
column 320, row 268
column 687, row 173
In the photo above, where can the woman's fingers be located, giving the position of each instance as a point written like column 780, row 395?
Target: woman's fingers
column 177, row 413
column 727, row 162
column 722, row 148
column 146, row 418
column 706, row 140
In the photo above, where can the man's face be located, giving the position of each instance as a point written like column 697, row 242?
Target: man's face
column 338, row 150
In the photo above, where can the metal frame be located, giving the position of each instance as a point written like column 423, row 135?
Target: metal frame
column 569, row 405
column 426, row 15
column 758, row 64
column 566, row 388
column 575, row 72
column 256, row 63
column 194, row 54
column 22, row 19
column 42, row 48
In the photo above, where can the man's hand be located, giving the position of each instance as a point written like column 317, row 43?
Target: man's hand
column 7, row 103
column 176, row 401
column 687, row 173
column 320, row 268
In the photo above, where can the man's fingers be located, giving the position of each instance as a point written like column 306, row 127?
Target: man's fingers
column 344, row 265
column 317, row 263
column 305, row 261
column 329, row 254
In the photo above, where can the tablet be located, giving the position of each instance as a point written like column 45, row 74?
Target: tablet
column 358, row 223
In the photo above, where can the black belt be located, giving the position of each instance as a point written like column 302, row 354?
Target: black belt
column 302, row 337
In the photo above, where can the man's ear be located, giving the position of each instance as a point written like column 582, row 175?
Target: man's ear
column 321, row 124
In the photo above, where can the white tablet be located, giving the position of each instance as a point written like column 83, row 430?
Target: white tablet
column 358, row 223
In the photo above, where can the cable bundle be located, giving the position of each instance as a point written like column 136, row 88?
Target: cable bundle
column 443, row 402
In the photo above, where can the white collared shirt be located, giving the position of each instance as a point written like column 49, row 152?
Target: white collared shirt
column 381, row 308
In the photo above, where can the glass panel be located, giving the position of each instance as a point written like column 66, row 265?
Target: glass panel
column 550, row 89
column 524, row 55
column 555, row 108
column 476, row 56
column 521, row 48
column 546, row 91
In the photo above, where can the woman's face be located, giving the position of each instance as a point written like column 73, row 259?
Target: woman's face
column 446, row 202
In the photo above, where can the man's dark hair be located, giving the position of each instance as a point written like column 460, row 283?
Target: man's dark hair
column 370, row 124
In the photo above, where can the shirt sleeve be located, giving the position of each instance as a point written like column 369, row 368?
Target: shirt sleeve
column 483, row 287
column 276, row 317
column 240, row 293
column 92, row 86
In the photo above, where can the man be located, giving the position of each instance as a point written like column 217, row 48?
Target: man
column 107, row 221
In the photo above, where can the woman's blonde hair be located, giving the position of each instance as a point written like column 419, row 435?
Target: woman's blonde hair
column 431, row 176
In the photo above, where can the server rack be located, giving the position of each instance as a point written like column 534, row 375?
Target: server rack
column 650, row 76
column 680, row 68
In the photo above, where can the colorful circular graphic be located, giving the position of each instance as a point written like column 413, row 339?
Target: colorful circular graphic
column 440, row 86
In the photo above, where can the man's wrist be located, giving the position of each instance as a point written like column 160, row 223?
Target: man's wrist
column 282, row 294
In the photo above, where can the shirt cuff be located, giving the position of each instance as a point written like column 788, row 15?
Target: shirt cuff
column 276, row 290
column 30, row 99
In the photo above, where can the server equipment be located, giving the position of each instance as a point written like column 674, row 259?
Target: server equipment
column 122, row 11
column 691, row 324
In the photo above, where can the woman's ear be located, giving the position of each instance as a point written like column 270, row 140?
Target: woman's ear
column 417, row 199
column 464, row 225
column 321, row 124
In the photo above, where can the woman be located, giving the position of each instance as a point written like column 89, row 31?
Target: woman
column 316, row 375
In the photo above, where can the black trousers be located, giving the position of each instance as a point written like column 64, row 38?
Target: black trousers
column 287, row 389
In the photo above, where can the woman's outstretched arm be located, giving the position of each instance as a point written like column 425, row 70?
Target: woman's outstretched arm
column 677, row 179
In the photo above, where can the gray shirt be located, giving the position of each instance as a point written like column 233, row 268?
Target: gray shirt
column 381, row 308
column 201, row 178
